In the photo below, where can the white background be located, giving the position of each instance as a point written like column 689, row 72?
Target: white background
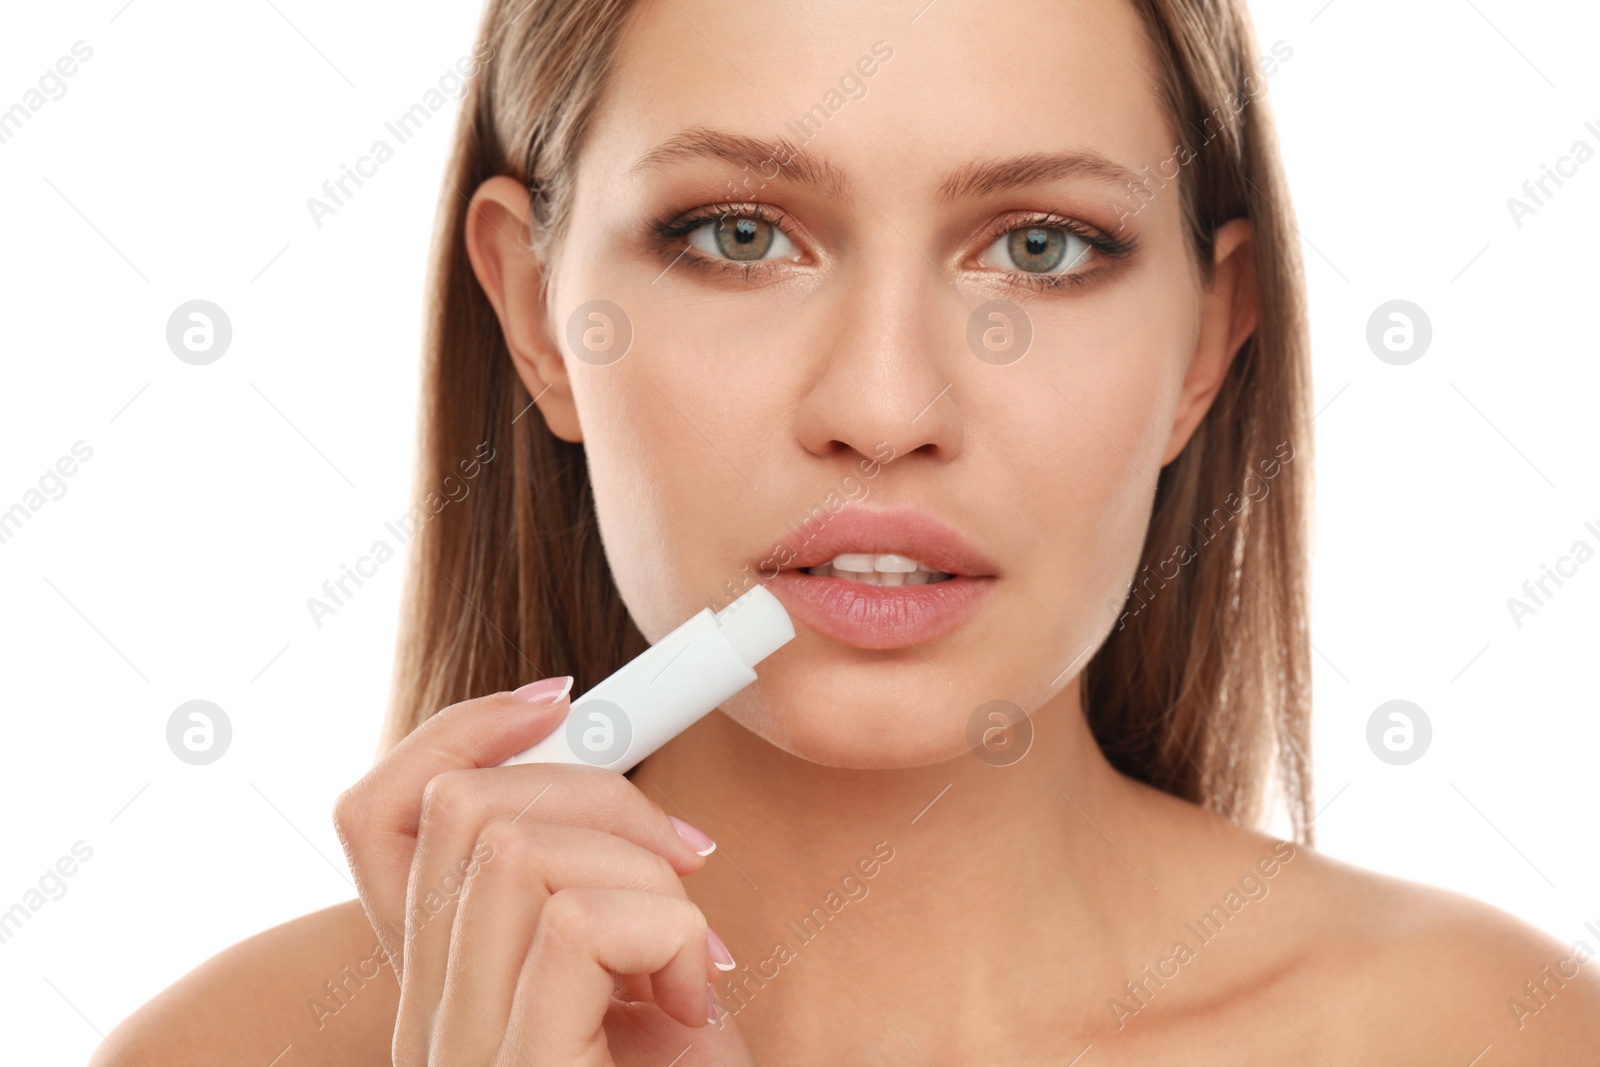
column 218, row 498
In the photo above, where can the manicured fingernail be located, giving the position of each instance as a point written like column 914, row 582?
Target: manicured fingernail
column 696, row 840
column 721, row 958
column 711, row 1004
column 545, row 690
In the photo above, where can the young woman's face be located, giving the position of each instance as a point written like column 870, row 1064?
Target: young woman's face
column 805, row 374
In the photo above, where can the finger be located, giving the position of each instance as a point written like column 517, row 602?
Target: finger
column 469, row 967
column 457, row 805
column 585, row 935
column 641, row 1033
column 377, row 817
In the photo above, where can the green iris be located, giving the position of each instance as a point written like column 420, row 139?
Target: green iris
column 1038, row 249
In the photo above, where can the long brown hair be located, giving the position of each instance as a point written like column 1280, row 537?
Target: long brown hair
column 1201, row 690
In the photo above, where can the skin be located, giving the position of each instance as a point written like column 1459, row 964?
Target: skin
column 1018, row 900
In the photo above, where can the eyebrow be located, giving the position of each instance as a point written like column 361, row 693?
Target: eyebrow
column 749, row 153
column 991, row 176
column 973, row 179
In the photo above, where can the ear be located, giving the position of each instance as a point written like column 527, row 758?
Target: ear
column 1229, row 309
column 499, row 245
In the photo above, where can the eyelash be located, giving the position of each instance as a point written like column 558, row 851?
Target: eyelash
column 668, row 230
column 1103, row 243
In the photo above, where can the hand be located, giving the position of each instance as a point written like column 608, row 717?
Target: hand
column 544, row 919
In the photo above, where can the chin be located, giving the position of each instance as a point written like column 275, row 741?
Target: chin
column 854, row 728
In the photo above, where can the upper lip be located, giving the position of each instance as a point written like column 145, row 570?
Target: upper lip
column 900, row 531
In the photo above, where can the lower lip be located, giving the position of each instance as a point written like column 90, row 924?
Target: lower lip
column 878, row 616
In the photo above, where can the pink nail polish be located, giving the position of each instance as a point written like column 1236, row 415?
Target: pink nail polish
column 711, row 1004
column 696, row 840
column 545, row 690
column 721, row 958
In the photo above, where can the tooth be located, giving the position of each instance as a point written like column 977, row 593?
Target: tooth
column 884, row 569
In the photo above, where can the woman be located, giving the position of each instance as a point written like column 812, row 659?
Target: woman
column 999, row 308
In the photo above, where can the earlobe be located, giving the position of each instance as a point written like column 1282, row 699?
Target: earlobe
column 500, row 250
column 1229, row 311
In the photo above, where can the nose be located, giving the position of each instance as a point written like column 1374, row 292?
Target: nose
column 884, row 361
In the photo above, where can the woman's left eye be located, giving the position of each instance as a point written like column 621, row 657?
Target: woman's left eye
column 742, row 239
column 1038, row 250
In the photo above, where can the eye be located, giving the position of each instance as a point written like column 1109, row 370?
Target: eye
column 741, row 238
column 1038, row 250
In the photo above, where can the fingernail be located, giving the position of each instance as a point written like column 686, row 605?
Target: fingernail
column 696, row 840
column 545, row 690
column 711, row 1004
column 720, row 956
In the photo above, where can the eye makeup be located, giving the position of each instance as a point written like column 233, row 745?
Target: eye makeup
column 671, row 238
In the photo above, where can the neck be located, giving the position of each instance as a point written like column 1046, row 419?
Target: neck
column 939, row 894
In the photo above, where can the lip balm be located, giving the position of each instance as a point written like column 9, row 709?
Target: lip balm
column 668, row 687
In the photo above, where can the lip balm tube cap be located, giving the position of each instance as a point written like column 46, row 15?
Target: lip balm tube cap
column 755, row 625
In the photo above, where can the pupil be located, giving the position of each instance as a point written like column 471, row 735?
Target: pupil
column 1037, row 248
column 744, row 238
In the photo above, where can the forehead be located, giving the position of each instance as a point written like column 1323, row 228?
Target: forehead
column 893, row 103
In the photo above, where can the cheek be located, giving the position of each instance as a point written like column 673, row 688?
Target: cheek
column 1085, row 439
column 633, row 443
column 671, row 435
column 653, row 423
column 1119, row 373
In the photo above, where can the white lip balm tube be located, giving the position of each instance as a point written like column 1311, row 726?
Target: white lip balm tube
column 668, row 687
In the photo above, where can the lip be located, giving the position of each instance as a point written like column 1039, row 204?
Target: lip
column 907, row 531
column 883, row 617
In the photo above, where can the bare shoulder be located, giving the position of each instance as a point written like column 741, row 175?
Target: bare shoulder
column 1411, row 973
column 320, row 984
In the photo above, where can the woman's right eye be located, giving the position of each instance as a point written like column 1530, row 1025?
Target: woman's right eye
column 741, row 239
